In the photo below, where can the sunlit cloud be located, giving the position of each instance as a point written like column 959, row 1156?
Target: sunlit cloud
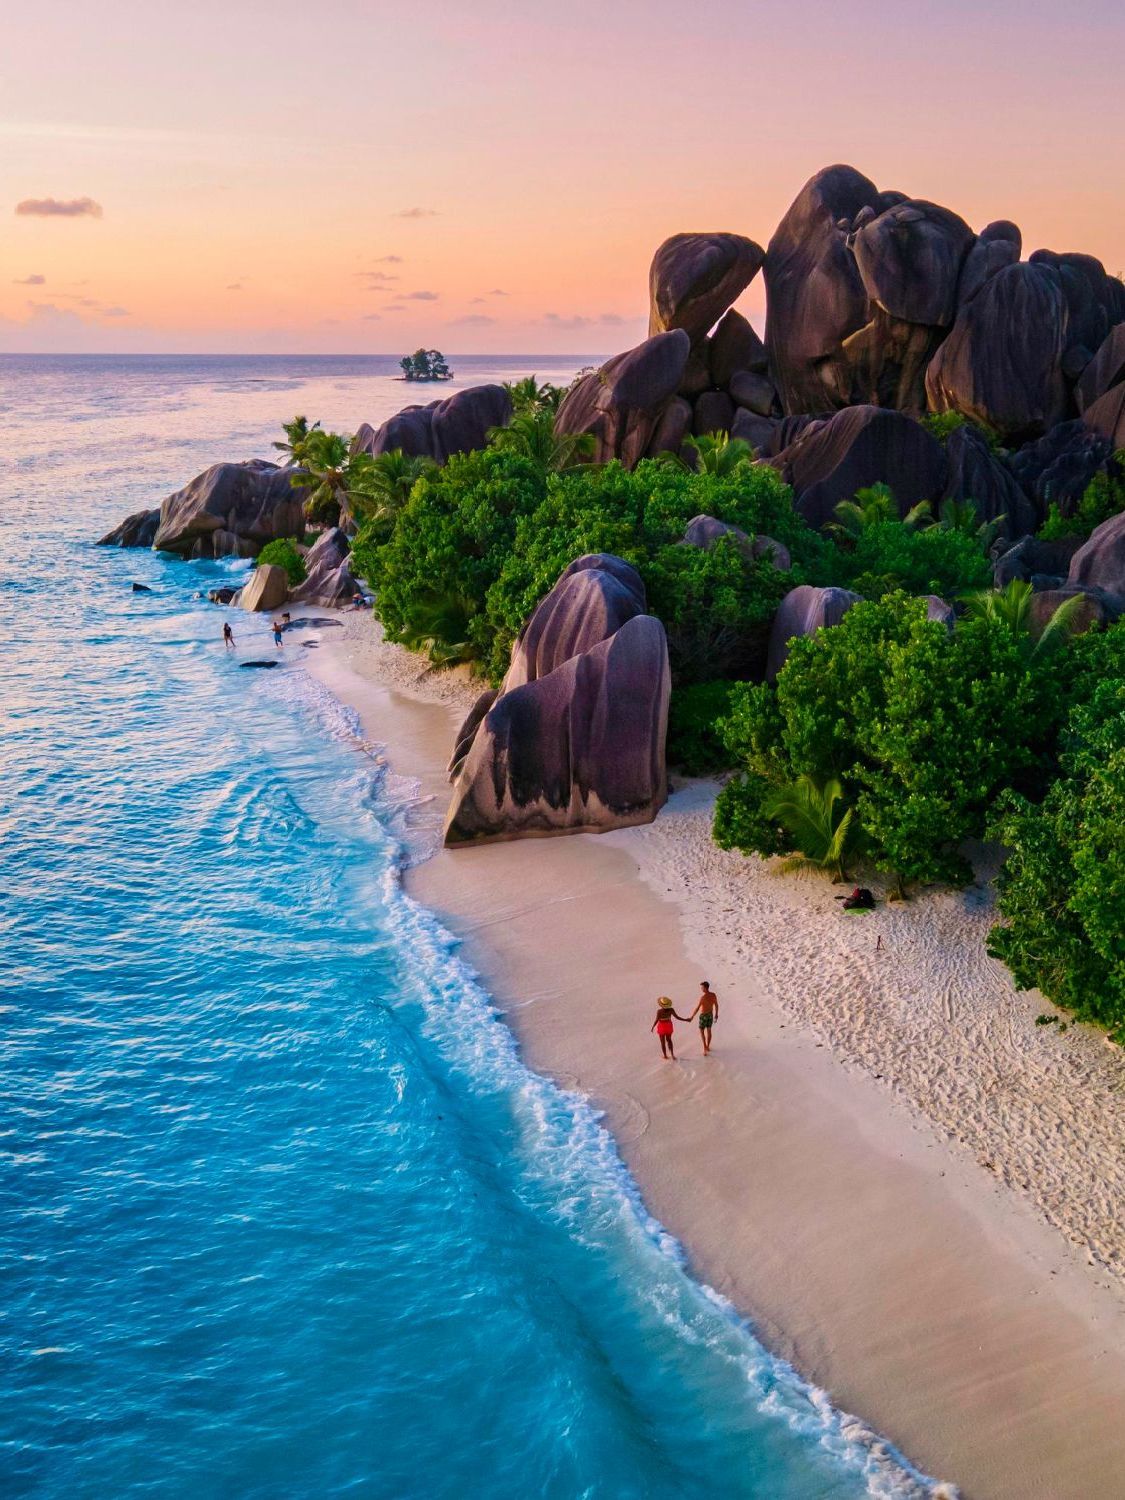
column 33, row 280
column 579, row 320
column 234, row 286
column 416, row 213
column 59, row 208
column 388, row 260
column 472, row 320
column 372, row 318
column 497, row 292
column 376, row 279
column 420, row 296
column 115, row 312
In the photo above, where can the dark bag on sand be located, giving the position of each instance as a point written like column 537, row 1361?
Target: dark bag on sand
column 860, row 899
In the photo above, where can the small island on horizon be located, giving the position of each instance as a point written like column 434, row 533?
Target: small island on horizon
column 425, row 364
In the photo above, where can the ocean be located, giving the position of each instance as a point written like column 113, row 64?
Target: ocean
column 284, row 1212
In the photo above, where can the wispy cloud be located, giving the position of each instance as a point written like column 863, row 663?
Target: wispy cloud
column 474, row 300
column 420, row 296
column 33, row 280
column 417, row 213
column 396, row 307
column 59, row 208
column 579, row 320
column 234, row 286
column 472, row 320
column 376, row 279
column 115, row 312
column 388, row 260
column 372, row 318
column 497, row 292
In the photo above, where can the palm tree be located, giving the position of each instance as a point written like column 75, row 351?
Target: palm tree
column 716, row 453
column 326, row 463
column 961, row 515
column 821, row 828
column 533, row 435
column 527, row 395
column 297, row 434
column 871, row 506
column 379, row 488
column 1011, row 606
column 438, row 623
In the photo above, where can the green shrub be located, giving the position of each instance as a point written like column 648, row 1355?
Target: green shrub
column 886, row 556
column 283, row 554
column 941, row 424
column 695, row 744
column 1103, row 498
column 921, row 726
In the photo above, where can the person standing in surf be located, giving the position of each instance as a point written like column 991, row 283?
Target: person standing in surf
column 707, row 1009
column 228, row 636
column 664, row 1028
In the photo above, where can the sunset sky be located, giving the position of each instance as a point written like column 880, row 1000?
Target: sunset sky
column 361, row 176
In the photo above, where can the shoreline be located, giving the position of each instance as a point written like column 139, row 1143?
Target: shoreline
column 797, row 1166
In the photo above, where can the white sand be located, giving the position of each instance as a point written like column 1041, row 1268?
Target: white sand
column 841, row 1167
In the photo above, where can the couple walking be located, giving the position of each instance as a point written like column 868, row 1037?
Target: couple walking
column 707, row 1009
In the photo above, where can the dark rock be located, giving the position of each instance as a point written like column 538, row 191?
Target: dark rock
column 705, row 531
column 136, row 530
column 1093, row 612
column 753, row 392
column 229, row 506
column 910, row 258
column 1099, row 564
column 940, row 610
column 222, row 595
column 804, row 611
column 141, row 588
column 864, row 445
column 1106, row 416
column 1031, row 557
column 264, row 666
column 329, row 581
column 468, row 731
column 623, row 403
column 694, row 278
column 457, row 424
column 735, row 346
column 580, row 745
column 1000, row 364
column 1057, row 468
column 759, row 432
column 714, row 412
column 1105, row 370
column 805, row 334
column 1089, row 297
column 697, row 373
column 671, row 429
column 997, row 245
column 976, row 474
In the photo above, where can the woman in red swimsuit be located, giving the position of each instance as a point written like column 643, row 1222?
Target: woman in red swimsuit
column 663, row 1026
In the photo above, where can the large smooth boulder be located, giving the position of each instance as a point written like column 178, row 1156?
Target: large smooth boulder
column 997, row 245
column 759, row 432
column 586, row 605
column 735, row 346
column 910, row 258
column 1033, row 558
column 1106, row 416
column 1105, row 370
column 137, row 530
column 1090, row 299
column 231, row 510
column 1099, row 564
column 623, row 404
column 714, row 411
column 705, row 531
column 753, row 391
column 815, row 295
column 1001, row 363
column 1092, row 612
column 803, row 611
column 267, row 588
column 457, row 424
column 694, row 278
column 863, row 445
column 1057, row 468
column 329, row 580
column 977, row 474
column 578, row 750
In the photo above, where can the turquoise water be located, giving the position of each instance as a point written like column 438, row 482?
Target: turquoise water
column 283, row 1212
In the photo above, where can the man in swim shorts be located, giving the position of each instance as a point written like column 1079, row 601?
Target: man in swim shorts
column 707, row 1010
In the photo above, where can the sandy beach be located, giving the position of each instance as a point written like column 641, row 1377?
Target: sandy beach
column 912, row 1190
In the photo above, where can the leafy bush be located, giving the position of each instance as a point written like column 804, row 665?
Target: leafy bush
column 941, row 424
column 425, row 364
column 695, row 744
column 885, row 556
column 1102, row 498
column 283, row 554
column 1062, row 887
column 922, row 727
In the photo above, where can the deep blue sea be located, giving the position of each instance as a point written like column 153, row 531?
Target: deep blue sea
column 283, row 1212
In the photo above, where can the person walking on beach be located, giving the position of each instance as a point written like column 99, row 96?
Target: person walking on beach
column 707, row 1009
column 277, row 634
column 664, row 1028
column 228, row 636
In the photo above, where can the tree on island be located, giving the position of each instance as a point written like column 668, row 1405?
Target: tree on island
column 425, row 364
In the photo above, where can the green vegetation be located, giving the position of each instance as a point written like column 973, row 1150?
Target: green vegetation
column 941, row 424
column 425, row 364
column 530, row 396
column 283, row 554
column 1103, row 498
column 819, row 823
column 532, row 433
column 695, row 745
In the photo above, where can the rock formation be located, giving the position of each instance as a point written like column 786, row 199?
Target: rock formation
column 694, row 279
column 266, row 588
column 231, row 510
column 458, row 424
column 624, row 403
column 705, row 531
column 572, row 742
column 329, row 580
column 1099, row 564
column 802, row 612
column 136, row 530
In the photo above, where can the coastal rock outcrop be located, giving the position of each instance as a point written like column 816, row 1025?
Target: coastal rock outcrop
column 802, row 612
column 572, row 742
column 137, row 530
column 862, row 445
column 231, row 510
column 457, row 424
column 266, row 588
column 622, row 404
column 329, row 580
column 694, row 279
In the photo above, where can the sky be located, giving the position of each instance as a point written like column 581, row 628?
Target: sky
column 361, row 176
